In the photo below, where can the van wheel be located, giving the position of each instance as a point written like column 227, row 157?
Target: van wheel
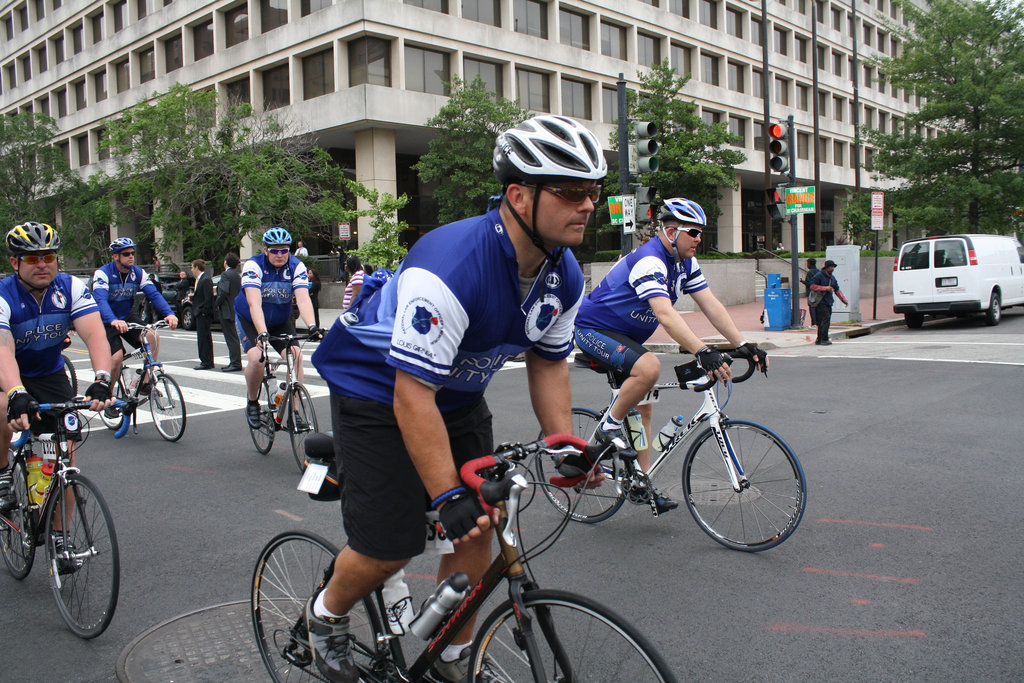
column 993, row 315
column 914, row 320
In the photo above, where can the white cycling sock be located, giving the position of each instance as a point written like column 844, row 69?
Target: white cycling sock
column 610, row 424
column 453, row 651
column 320, row 609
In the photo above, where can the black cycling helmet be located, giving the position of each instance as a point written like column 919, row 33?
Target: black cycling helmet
column 31, row 237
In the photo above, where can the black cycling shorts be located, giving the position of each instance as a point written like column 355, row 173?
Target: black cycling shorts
column 612, row 350
column 247, row 334
column 383, row 502
column 133, row 337
column 46, row 389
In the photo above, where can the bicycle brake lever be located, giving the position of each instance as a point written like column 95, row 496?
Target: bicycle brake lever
column 519, row 485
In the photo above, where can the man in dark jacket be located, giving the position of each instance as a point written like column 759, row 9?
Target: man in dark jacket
column 823, row 281
column 812, row 270
column 202, row 306
column 228, row 287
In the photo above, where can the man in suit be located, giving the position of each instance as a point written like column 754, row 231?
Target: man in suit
column 227, row 289
column 202, row 306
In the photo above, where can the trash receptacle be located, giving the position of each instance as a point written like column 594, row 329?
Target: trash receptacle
column 778, row 303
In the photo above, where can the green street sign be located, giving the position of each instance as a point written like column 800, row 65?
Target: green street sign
column 799, row 200
column 615, row 209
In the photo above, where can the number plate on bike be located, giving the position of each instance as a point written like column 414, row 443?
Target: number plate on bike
column 313, row 478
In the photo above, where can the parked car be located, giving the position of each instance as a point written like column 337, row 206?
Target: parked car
column 179, row 301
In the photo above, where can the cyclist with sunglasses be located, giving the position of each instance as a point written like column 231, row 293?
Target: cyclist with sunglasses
column 114, row 287
column 38, row 307
column 264, row 307
column 637, row 296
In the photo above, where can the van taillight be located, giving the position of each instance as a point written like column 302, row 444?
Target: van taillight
column 896, row 264
column 972, row 258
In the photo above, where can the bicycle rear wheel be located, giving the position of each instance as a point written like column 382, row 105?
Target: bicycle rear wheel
column 86, row 576
column 578, row 640
column 763, row 514
column 301, row 422
column 263, row 437
column 589, row 506
column 289, row 569
column 112, row 417
column 17, row 532
column 72, row 373
column 168, row 406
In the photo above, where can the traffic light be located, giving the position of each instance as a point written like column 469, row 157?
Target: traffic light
column 646, row 147
column 644, row 200
column 776, row 203
column 778, row 147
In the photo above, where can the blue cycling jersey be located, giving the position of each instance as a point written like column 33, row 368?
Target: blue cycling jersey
column 620, row 303
column 452, row 316
column 114, row 292
column 39, row 329
column 276, row 285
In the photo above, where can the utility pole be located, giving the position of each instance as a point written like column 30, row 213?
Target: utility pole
column 626, row 241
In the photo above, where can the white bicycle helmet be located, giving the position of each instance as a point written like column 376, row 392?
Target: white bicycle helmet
column 548, row 148
column 682, row 210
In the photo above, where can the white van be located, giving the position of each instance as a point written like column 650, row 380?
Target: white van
column 958, row 275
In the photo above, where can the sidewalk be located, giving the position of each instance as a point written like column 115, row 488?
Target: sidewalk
column 748, row 320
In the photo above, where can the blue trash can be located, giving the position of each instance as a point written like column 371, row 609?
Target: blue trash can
column 778, row 303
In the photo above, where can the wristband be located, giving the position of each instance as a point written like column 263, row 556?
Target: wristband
column 701, row 349
column 102, row 376
column 446, row 496
column 16, row 389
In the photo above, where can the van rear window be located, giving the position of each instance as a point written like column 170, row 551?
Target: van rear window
column 914, row 256
column 950, row 253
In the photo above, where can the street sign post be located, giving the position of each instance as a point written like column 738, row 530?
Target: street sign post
column 877, row 210
column 344, row 231
column 615, row 209
column 622, row 210
column 799, row 200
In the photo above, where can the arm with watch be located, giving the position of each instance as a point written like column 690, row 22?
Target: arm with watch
column 90, row 328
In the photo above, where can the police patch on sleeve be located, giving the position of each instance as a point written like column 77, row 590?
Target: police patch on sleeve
column 541, row 315
column 422, row 317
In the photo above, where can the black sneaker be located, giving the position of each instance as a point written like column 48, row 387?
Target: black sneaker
column 457, row 671
column 663, row 503
column 252, row 414
column 300, row 424
column 67, row 563
column 330, row 642
column 605, row 436
column 7, row 499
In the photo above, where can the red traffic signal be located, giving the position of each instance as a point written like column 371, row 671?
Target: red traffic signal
column 778, row 148
column 776, row 201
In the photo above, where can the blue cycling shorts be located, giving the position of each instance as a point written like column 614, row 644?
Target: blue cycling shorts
column 611, row 350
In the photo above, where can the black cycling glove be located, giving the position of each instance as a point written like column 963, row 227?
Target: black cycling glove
column 710, row 359
column 458, row 516
column 575, row 463
column 755, row 352
column 19, row 404
column 98, row 391
column 315, row 333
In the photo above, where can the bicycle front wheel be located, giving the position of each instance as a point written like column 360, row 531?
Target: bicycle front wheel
column 767, row 510
column 72, row 373
column 85, row 565
column 290, row 568
column 577, row 640
column 17, row 532
column 111, row 416
column 263, row 436
column 301, row 422
column 589, row 506
column 168, row 406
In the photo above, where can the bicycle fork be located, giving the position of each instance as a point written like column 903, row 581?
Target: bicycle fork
column 737, row 478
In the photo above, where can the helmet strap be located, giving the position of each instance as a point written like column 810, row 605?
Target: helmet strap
column 531, row 232
column 675, row 249
column 31, row 289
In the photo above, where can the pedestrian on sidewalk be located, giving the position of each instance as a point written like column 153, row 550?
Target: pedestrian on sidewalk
column 228, row 287
column 202, row 307
column 827, row 285
column 812, row 269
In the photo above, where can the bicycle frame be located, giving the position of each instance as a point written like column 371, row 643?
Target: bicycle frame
column 270, row 378
column 145, row 352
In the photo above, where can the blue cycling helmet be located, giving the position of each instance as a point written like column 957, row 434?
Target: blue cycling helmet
column 120, row 244
column 682, row 210
column 277, row 236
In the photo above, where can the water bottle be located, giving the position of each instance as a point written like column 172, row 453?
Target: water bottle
column 439, row 605
column 279, row 396
column 397, row 603
column 33, row 465
column 135, row 380
column 667, row 432
column 636, row 429
column 38, row 492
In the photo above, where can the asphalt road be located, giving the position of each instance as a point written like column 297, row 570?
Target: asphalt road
column 906, row 566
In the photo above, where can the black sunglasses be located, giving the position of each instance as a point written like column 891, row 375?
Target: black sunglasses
column 574, row 194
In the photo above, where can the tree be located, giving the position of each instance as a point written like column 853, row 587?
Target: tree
column 964, row 60
column 460, row 155
column 383, row 249
column 694, row 161
column 209, row 178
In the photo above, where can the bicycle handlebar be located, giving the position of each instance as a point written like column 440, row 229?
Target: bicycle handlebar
column 691, row 372
column 62, row 407
column 279, row 337
column 155, row 325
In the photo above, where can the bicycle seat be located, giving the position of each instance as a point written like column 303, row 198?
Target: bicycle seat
column 319, row 449
column 585, row 360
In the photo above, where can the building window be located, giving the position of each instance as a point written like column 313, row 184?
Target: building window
column 273, row 14
column 318, row 74
column 23, row 16
column 238, row 92
column 275, row 88
column 147, row 65
column 122, row 75
column 757, row 83
column 436, row 5
column 648, row 49
column 822, row 104
column 426, row 70
column 680, row 7
column 613, row 40
column 41, row 58
column 736, row 79
column 82, row 142
column 26, row 67
column 307, row 7
column 142, row 8
column 711, row 117
column 484, row 11
column 755, row 31
column 77, row 39
column 202, row 39
column 99, row 85
column 708, row 13
column 803, row 146
column 62, row 102
column 758, row 133
column 102, row 151
column 837, row 19
column 574, row 29
column 532, row 90
column 734, row 22
column 709, row 69
column 120, row 12
column 489, row 72
column 837, row 63
column 681, row 59
column 79, row 87
column 369, row 61
column 576, row 99
column 803, row 97
column 837, row 108
column 838, row 153
column 58, row 49
column 802, row 45
column 530, row 17
column 12, row 76
column 782, row 91
column 173, row 53
column 9, row 26
column 43, row 105
column 823, row 145
column 609, row 104
column 738, row 128
column 236, row 25
column 781, row 41
column 97, row 27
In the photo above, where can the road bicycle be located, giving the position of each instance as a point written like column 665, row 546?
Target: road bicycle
column 534, row 635
column 275, row 398
column 741, row 481
column 147, row 384
column 71, row 520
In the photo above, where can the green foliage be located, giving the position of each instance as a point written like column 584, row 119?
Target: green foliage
column 460, row 155
column 964, row 59
column 383, row 249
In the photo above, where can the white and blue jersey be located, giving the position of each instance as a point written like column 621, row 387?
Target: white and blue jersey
column 276, row 285
column 452, row 316
column 39, row 329
column 621, row 302
column 114, row 292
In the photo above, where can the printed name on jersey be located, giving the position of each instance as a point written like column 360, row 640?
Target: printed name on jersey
column 541, row 315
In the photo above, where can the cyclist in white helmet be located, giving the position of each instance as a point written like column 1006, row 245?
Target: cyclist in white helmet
column 635, row 298
column 408, row 370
